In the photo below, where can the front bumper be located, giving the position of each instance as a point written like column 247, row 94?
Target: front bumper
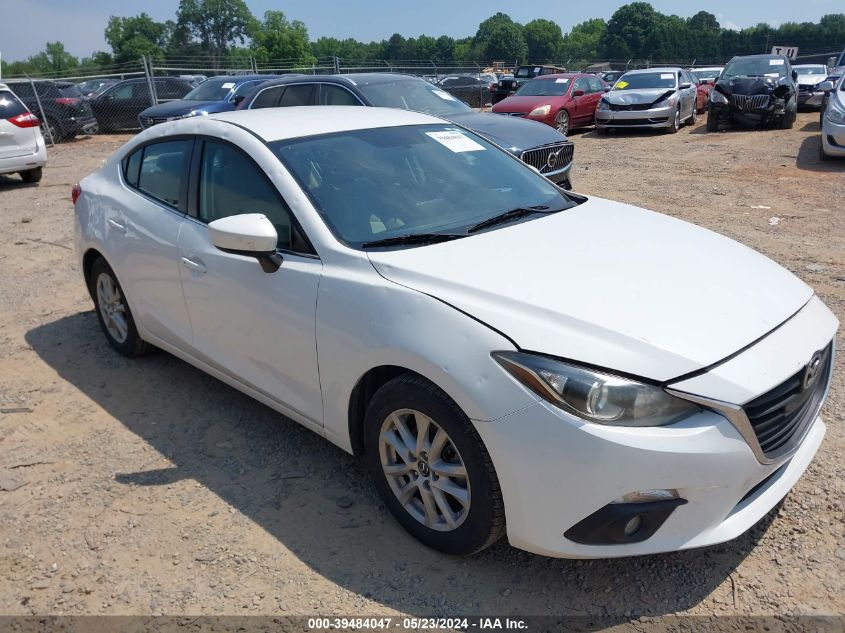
column 833, row 138
column 652, row 118
column 810, row 99
column 553, row 478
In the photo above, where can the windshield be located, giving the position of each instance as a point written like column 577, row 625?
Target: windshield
column 755, row 67
column 211, row 90
column 635, row 81
column 544, row 87
column 528, row 71
column 811, row 70
column 413, row 94
column 378, row 183
column 707, row 74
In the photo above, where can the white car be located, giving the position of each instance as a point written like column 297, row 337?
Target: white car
column 592, row 378
column 833, row 120
column 22, row 148
column 810, row 76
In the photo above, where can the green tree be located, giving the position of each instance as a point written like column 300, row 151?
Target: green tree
column 630, row 31
column 54, row 59
column 132, row 37
column 583, row 41
column 217, row 24
column 544, row 40
column 277, row 38
column 507, row 44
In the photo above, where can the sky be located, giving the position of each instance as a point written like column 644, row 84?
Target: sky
column 25, row 28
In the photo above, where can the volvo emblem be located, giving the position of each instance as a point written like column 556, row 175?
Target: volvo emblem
column 811, row 371
column 551, row 161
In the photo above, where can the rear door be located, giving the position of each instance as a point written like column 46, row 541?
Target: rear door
column 15, row 139
column 593, row 96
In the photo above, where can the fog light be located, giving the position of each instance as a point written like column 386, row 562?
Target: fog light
column 633, row 525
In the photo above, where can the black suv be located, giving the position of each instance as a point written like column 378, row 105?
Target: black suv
column 118, row 107
column 66, row 111
column 507, row 86
column 755, row 90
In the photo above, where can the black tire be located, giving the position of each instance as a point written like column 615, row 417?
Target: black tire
column 484, row 523
column 693, row 117
column 712, row 121
column 676, row 122
column 133, row 345
column 32, row 175
column 788, row 119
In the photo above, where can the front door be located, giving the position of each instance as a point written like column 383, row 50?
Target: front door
column 257, row 327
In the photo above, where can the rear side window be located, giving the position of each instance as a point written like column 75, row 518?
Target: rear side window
column 268, row 98
column 335, row 95
column 595, row 84
column 163, row 170
column 10, row 105
column 298, row 95
column 131, row 166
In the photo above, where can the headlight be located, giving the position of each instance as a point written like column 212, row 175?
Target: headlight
column 834, row 114
column 717, row 97
column 668, row 101
column 541, row 111
column 193, row 113
column 603, row 105
column 595, row 396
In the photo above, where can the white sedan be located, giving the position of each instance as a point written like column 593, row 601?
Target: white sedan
column 591, row 378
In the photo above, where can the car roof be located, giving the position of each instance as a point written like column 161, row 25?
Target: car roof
column 274, row 124
column 655, row 69
column 350, row 79
column 572, row 75
column 237, row 78
column 759, row 56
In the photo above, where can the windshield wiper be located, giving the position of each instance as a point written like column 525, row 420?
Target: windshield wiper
column 507, row 216
column 412, row 238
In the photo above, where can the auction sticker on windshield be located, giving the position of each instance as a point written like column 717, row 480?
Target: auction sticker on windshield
column 455, row 141
column 621, row 85
column 775, row 62
column 228, row 85
column 444, row 95
column 667, row 76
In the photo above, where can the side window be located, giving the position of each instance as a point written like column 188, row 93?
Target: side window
column 123, row 92
column 245, row 88
column 595, row 84
column 580, row 84
column 231, row 184
column 163, row 169
column 267, row 98
column 335, row 95
column 297, row 95
column 131, row 166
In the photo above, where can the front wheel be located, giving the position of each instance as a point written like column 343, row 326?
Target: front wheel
column 562, row 122
column 693, row 117
column 113, row 311
column 788, row 119
column 675, row 122
column 712, row 121
column 431, row 468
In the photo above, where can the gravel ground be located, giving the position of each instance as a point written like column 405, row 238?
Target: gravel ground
column 147, row 487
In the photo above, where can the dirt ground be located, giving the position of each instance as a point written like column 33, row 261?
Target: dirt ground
column 147, row 487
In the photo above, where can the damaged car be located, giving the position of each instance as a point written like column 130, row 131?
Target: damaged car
column 754, row 90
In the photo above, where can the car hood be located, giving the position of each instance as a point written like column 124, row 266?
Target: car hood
column 183, row 106
column 526, row 104
column 637, row 97
column 514, row 135
column 751, row 85
column 608, row 284
column 811, row 80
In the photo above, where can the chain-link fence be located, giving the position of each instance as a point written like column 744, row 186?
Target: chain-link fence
column 105, row 99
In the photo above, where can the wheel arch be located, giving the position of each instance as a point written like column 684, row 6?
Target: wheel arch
column 91, row 255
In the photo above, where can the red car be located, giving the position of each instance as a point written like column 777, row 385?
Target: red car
column 564, row 100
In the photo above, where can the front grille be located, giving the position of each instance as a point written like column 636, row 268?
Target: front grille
column 747, row 103
column 806, row 87
column 780, row 416
column 541, row 157
column 627, row 107
column 512, row 113
column 149, row 121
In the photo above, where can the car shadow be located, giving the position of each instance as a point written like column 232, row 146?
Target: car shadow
column 808, row 157
column 13, row 181
column 318, row 501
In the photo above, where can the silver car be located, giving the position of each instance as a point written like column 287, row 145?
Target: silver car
column 833, row 120
column 649, row 98
column 809, row 78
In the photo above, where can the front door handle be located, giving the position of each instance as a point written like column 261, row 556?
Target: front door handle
column 194, row 264
column 117, row 226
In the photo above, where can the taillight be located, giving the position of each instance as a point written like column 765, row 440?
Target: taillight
column 75, row 193
column 27, row 119
column 67, row 100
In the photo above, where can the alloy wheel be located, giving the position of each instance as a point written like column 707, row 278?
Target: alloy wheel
column 562, row 122
column 424, row 470
column 112, row 308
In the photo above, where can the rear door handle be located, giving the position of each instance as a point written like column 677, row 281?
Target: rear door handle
column 117, row 226
column 193, row 264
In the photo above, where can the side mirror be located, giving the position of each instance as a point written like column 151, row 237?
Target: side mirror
column 794, row 75
column 250, row 234
column 578, row 93
column 238, row 98
column 826, row 86
column 831, row 62
column 685, row 86
column 607, row 88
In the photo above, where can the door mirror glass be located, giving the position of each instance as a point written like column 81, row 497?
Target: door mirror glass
column 826, row 86
column 247, row 234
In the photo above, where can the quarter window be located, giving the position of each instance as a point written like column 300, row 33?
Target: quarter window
column 231, row 184
column 268, row 98
column 335, row 95
column 297, row 95
column 163, row 169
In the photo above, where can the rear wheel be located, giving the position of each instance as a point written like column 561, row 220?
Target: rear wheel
column 712, row 121
column 113, row 311
column 431, row 468
column 32, row 175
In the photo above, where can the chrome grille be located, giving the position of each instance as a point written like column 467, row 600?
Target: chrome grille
column 512, row 113
column 541, row 157
column 149, row 121
column 780, row 416
column 748, row 103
